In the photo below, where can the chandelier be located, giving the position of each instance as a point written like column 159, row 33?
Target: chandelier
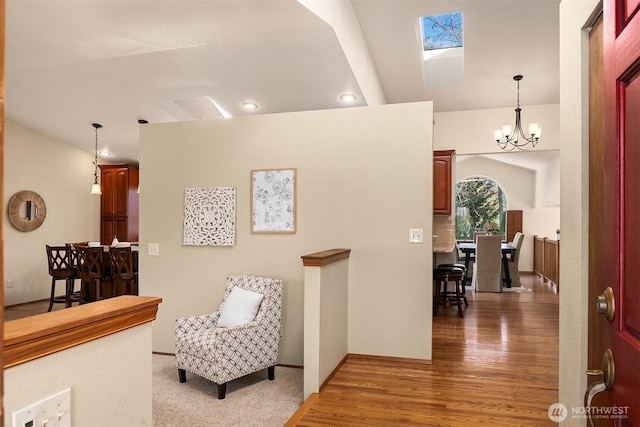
column 517, row 139
column 95, row 188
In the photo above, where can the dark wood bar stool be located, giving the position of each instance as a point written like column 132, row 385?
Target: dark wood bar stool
column 92, row 273
column 122, row 271
column 61, row 267
column 442, row 295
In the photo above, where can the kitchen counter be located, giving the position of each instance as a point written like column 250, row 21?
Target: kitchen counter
column 442, row 249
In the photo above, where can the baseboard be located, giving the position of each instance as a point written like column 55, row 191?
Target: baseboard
column 389, row 359
column 25, row 303
column 161, row 353
column 330, row 376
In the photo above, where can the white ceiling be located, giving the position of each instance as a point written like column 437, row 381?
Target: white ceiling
column 73, row 62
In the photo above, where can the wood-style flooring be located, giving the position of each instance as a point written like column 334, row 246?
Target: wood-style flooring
column 19, row 311
column 498, row 366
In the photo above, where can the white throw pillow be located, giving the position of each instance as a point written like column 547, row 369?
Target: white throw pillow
column 240, row 307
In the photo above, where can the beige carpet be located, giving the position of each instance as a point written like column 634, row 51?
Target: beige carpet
column 250, row 401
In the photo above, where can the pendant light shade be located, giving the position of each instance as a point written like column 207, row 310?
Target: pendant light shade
column 95, row 188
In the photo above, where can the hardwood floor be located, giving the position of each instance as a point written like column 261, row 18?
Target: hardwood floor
column 19, row 311
column 497, row 366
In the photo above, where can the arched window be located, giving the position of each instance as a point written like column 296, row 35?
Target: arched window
column 479, row 201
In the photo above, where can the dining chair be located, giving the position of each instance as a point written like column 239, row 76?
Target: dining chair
column 92, row 273
column 514, row 271
column 478, row 233
column 122, row 271
column 487, row 270
column 61, row 267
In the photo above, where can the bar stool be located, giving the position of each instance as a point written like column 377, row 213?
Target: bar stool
column 122, row 271
column 442, row 276
column 92, row 272
column 61, row 267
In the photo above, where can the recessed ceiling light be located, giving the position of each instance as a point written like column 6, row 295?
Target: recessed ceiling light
column 348, row 97
column 249, row 105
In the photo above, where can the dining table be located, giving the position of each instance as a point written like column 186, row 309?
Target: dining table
column 469, row 249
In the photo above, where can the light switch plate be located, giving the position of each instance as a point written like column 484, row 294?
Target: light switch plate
column 153, row 249
column 416, row 235
column 54, row 410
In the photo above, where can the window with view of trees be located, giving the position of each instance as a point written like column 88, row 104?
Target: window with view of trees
column 479, row 201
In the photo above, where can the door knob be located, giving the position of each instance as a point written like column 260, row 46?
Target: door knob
column 606, row 304
column 607, row 373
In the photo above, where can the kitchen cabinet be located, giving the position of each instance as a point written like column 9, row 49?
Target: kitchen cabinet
column 443, row 181
column 119, row 203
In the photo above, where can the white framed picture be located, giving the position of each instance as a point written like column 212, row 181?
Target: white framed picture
column 273, row 200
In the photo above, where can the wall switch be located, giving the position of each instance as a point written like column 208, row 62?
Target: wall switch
column 416, row 235
column 153, row 249
column 9, row 283
column 51, row 411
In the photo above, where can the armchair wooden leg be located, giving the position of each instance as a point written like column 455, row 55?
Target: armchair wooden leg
column 182, row 375
column 272, row 372
column 222, row 389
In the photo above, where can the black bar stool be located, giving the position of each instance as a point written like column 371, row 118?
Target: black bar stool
column 442, row 296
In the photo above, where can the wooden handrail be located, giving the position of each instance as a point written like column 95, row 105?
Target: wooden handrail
column 323, row 258
column 546, row 259
column 40, row 335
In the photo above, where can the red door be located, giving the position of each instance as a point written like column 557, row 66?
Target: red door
column 622, row 204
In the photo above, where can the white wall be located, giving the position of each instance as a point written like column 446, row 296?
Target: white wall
column 364, row 179
column 519, row 184
column 62, row 175
column 574, row 190
column 110, row 380
column 548, row 185
column 471, row 132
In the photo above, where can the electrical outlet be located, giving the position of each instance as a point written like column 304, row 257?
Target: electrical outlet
column 51, row 411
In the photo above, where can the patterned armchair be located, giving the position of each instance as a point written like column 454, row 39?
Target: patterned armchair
column 222, row 354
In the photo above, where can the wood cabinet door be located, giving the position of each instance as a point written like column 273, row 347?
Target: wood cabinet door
column 108, row 201
column 442, row 196
column 121, row 192
column 111, row 228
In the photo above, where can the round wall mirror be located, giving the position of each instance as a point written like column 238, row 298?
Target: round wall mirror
column 26, row 210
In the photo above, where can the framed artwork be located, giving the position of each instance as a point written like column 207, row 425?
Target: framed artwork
column 209, row 216
column 273, row 200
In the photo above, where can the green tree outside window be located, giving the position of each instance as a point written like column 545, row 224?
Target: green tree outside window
column 479, row 200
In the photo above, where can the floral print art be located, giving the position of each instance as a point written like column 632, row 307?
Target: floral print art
column 273, row 201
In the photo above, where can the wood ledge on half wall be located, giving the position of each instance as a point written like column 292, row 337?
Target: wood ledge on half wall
column 43, row 334
column 320, row 259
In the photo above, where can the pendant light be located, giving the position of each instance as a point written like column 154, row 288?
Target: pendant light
column 518, row 138
column 95, row 188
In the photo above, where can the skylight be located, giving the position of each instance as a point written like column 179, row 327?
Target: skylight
column 442, row 31
column 442, row 49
